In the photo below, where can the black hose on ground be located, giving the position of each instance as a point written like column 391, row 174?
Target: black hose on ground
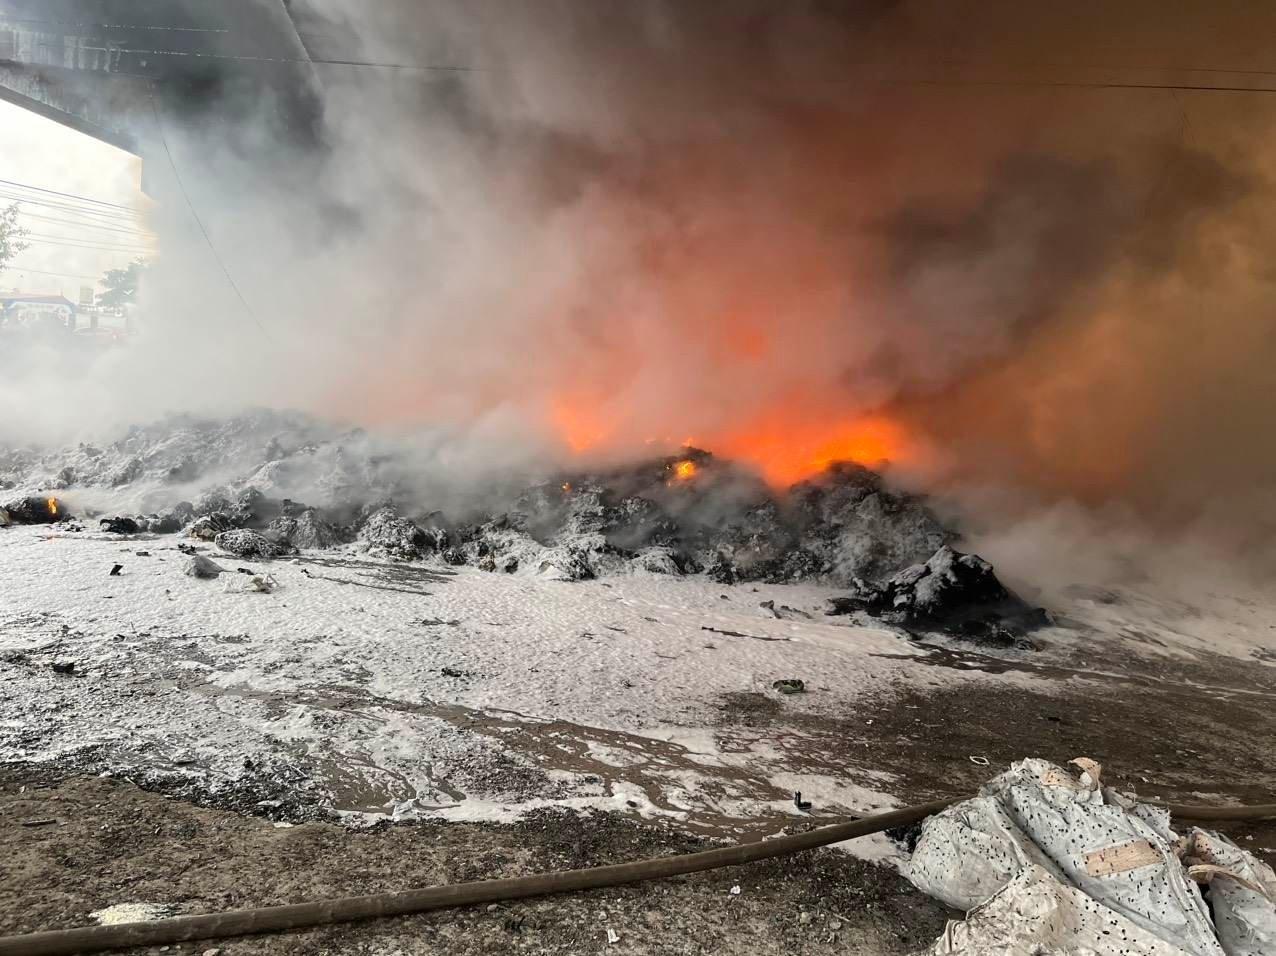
column 267, row 919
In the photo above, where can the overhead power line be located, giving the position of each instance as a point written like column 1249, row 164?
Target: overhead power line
column 303, row 61
column 1105, row 67
column 54, row 192
column 39, row 239
column 447, row 68
column 112, row 26
column 68, row 205
column 177, row 176
column 80, row 224
column 1084, row 85
column 41, row 272
column 83, row 216
column 86, row 219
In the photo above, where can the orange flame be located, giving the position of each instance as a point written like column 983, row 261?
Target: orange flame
column 53, row 507
column 685, row 470
column 581, row 430
column 787, row 451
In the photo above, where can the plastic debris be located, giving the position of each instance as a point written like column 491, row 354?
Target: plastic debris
column 253, row 583
column 1242, row 893
column 1045, row 861
column 201, row 567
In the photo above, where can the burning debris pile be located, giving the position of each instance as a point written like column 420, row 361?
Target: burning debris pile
column 31, row 510
column 241, row 484
column 691, row 513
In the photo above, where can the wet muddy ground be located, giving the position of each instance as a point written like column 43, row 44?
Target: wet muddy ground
column 110, row 842
column 74, row 845
column 170, row 742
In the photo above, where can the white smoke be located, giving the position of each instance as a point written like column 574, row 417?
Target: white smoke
column 680, row 219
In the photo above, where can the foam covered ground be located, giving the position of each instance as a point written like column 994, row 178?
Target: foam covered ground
column 375, row 689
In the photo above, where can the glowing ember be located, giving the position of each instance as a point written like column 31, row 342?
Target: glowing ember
column 567, row 487
column 685, row 470
column 53, row 507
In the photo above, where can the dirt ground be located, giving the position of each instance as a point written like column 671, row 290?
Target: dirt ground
column 1183, row 731
column 113, row 843
column 1194, row 733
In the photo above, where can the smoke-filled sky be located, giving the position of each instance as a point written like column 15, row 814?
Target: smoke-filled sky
column 788, row 232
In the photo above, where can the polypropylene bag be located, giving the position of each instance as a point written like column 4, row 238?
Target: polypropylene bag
column 970, row 851
column 1119, row 856
column 1034, row 914
column 1242, row 891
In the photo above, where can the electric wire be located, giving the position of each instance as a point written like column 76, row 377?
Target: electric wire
column 177, row 176
column 65, row 275
column 114, row 26
column 85, row 212
column 303, row 61
column 39, row 239
column 85, row 225
column 54, row 192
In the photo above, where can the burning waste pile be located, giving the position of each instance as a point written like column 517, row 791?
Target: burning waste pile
column 268, row 484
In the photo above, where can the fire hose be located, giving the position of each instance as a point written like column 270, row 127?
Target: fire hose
column 268, row 919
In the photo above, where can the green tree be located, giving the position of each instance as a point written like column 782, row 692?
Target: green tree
column 121, row 285
column 12, row 235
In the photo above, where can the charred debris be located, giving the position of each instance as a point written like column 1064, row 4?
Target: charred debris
column 684, row 514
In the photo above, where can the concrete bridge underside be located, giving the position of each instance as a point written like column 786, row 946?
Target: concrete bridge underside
column 108, row 67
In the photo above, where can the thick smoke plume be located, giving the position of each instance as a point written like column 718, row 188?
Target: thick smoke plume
column 787, row 232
